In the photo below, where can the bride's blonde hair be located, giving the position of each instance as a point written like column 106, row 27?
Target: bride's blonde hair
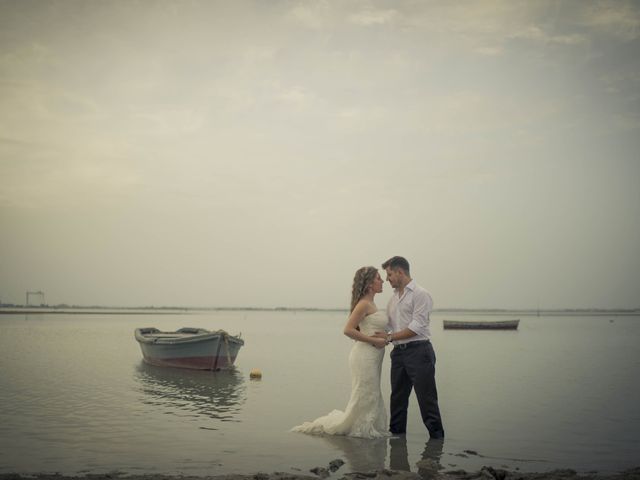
column 361, row 282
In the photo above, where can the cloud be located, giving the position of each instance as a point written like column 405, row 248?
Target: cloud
column 370, row 17
column 537, row 34
column 169, row 121
column 491, row 51
column 310, row 14
column 297, row 97
column 619, row 19
column 628, row 122
column 15, row 142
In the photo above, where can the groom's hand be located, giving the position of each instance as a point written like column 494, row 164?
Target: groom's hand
column 380, row 335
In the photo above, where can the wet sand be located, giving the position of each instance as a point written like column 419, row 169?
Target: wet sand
column 427, row 470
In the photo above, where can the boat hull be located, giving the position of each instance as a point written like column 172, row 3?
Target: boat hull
column 461, row 325
column 188, row 348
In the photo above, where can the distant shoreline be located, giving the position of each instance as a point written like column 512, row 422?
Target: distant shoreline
column 149, row 310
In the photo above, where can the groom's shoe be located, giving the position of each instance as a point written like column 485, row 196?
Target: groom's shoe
column 437, row 435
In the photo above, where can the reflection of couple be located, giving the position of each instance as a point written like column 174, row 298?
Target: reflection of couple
column 412, row 358
column 365, row 455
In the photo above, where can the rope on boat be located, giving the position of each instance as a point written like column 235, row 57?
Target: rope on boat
column 226, row 343
column 225, row 335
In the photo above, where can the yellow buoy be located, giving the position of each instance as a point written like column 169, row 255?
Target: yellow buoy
column 255, row 373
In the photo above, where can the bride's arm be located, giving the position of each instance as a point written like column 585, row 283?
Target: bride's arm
column 351, row 330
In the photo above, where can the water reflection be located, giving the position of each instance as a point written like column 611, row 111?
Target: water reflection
column 217, row 395
column 429, row 463
column 362, row 455
column 365, row 455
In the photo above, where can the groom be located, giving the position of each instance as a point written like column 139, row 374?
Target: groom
column 413, row 361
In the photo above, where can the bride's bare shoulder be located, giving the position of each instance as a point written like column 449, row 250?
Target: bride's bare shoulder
column 367, row 306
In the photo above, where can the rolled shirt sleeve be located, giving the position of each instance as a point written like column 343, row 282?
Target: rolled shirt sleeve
column 411, row 311
column 422, row 306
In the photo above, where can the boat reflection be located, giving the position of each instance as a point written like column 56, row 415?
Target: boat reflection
column 216, row 395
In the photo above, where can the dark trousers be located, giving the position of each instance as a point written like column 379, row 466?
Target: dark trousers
column 413, row 366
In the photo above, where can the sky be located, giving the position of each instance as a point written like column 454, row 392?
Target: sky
column 257, row 153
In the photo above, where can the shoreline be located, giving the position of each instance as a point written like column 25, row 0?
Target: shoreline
column 426, row 470
column 71, row 310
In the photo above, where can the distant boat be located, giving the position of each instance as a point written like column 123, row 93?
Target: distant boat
column 462, row 325
column 195, row 348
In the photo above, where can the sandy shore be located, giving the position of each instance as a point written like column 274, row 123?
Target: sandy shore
column 427, row 470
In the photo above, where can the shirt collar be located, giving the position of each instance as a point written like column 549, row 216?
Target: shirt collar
column 411, row 286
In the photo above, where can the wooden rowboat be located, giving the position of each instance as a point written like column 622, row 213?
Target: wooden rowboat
column 466, row 325
column 188, row 348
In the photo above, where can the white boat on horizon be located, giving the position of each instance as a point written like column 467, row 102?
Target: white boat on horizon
column 187, row 347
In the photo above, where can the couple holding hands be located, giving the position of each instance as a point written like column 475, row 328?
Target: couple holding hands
column 405, row 324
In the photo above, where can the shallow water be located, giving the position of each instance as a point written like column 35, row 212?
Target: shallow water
column 75, row 397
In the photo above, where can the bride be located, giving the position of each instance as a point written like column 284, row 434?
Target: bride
column 365, row 415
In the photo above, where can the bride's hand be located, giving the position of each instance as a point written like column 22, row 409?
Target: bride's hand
column 378, row 342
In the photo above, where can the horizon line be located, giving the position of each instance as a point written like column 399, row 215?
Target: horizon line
column 289, row 308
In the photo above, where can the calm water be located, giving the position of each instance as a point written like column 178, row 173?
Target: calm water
column 76, row 398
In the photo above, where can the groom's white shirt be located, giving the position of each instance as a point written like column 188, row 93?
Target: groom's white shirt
column 410, row 311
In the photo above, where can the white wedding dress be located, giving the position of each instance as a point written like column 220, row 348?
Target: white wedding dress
column 365, row 415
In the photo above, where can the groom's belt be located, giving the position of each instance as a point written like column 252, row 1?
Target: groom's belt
column 415, row 343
